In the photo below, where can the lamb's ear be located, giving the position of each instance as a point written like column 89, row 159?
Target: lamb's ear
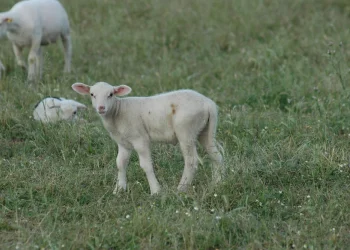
column 81, row 88
column 5, row 20
column 122, row 90
column 54, row 105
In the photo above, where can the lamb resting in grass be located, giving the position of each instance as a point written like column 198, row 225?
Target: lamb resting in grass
column 53, row 109
column 176, row 117
column 36, row 23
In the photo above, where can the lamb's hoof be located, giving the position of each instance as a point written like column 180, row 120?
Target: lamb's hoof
column 182, row 188
column 118, row 189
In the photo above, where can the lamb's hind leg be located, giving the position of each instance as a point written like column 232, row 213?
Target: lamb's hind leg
column 207, row 140
column 189, row 152
column 67, row 46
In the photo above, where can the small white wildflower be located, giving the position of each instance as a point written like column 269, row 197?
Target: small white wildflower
column 218, row 217
column 62, row 245
column 196, row 208
column 56, row 90
column 212, row 210
column 215, row 195
column 305, row 246
column 188, row 214
column 308, row 196
column 299, row 206
column 306, row 161
column 177, row 211
column 301, row 214
column 333, row 229
column 293, row 246
column 260, row 204
column 121, row 227
column 127, row 216
column 278, row 201
column 266, row 127
column 280, row 191
column 298, row 232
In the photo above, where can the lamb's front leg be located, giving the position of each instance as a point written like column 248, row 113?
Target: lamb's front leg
column 142, row 148
column 122, row 163
column 67, row 46
column 34, row 58
column 18, row 54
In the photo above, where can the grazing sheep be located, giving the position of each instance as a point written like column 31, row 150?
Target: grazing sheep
column 36, row 23
column 176, row 117
column 52, row 109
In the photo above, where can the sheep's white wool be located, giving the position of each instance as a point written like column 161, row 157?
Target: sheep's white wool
column 33, row 24
column 182, row 116
column 52, row 109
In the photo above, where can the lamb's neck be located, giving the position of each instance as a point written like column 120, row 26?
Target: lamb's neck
column 113, row 111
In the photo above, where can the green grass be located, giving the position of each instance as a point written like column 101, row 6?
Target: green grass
column 280, row 77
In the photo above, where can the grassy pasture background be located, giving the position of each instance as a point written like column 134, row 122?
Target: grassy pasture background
column 278, row 71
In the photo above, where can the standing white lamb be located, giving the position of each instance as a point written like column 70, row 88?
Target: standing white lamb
column 53, row 109
column 181, row 116
column 33, row 24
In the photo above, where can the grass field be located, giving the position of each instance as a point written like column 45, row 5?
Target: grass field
column 278, row 71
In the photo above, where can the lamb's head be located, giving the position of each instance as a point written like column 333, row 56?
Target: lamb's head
column 66, row 109
column 101, row 94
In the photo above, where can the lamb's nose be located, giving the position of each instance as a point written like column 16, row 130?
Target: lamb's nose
column 101, row 108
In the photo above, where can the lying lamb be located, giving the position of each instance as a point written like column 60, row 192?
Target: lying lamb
column 180, row 116
column 52, row 109
column 35, row 23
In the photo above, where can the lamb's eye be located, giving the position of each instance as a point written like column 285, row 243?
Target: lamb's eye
column 92, row 94
column 75, row 112
column 110, row 95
